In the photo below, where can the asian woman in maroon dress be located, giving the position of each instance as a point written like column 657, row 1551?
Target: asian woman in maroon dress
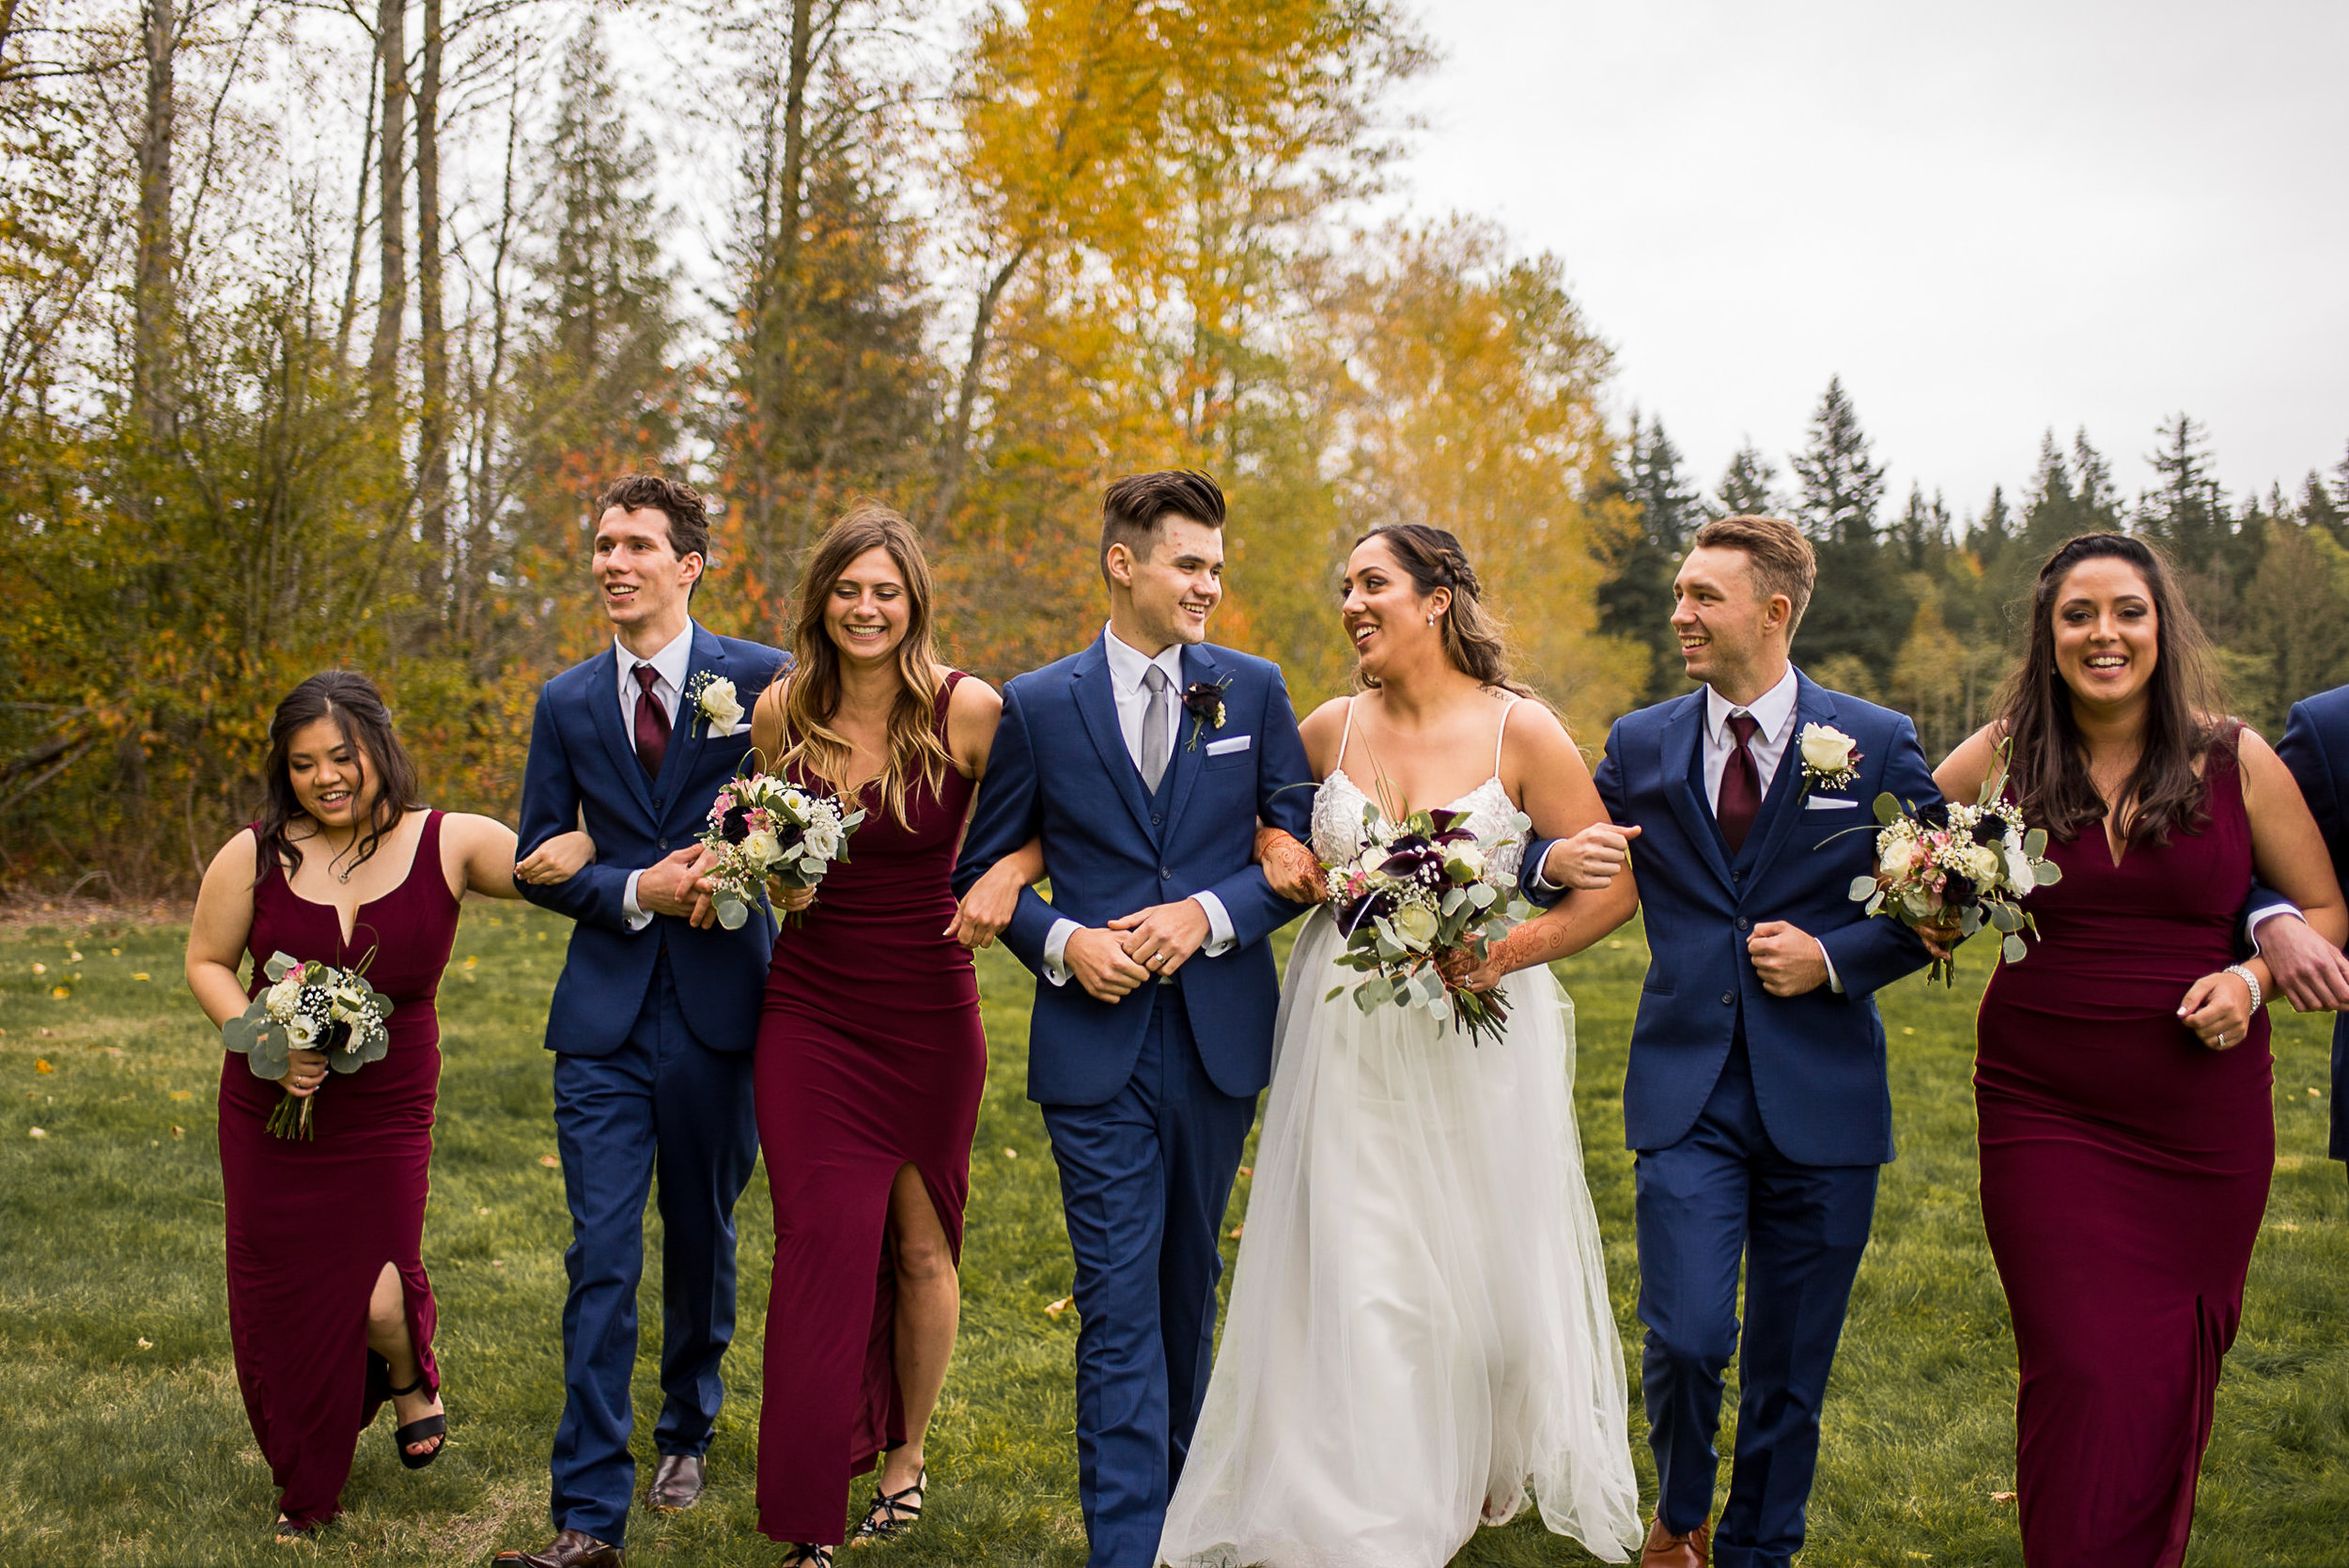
column 329, row 1313
column 871, row 1062
column 2123, row 1081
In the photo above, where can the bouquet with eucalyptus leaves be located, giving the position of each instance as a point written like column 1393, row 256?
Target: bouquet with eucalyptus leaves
column 1950, row 869
column 765, row 830
column 1419, row 893
column 309, row 1006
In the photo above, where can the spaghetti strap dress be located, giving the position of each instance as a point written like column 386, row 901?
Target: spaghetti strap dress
column 870, row 1059
column 2125, row 1168
column 311, row 1223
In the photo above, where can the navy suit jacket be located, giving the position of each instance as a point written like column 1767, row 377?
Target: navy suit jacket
column 1060, row 768
column 1818, row 1057
column 582, row 760
column 2317, row 748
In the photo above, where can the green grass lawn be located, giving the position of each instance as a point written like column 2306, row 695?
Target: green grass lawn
column 125, row 1442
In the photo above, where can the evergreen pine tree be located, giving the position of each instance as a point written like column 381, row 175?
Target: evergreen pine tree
column 1859, row 611
column 1992, row 532
column 1923, row 531
column 1748, row 487
column 2319, row 510
column 1636, row 602
column 2096, row 505
column 2051, row 511
column 2186, row 513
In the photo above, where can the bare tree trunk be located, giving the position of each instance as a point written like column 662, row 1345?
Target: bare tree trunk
column 391, row 41
column 432, row 428
column 152, row 379
column 955, row 456
column 358, row 229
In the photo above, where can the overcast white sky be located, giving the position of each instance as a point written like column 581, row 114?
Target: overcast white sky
column 1989, row 218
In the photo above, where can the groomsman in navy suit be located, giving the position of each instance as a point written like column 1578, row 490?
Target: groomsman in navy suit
column 1756, row 1099
column 1144, row 764
column 653, row 1021
column 2307, row 969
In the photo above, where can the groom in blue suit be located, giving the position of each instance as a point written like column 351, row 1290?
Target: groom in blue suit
column 1756, row 1099
column 2307, row 969
column 653, row 1021
column 1144, row 764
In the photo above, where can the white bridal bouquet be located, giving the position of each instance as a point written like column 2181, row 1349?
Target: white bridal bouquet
column 764, row 829
column 1420, row 891
column 309, row 1006
column 1952, row 869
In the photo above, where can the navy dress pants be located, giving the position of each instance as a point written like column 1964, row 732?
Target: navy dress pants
column 1144, row 1177
column 1723, row 1194
column 662, row 1108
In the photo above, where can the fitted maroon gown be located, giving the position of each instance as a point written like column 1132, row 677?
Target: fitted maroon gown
column 870, row 1059
column 311, row 1224
column 2125, row 1168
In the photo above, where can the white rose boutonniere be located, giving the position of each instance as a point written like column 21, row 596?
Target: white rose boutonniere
column 714, row 698
column 1830, row 757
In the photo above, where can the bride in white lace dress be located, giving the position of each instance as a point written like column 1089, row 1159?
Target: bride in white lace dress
column 1419, row 1331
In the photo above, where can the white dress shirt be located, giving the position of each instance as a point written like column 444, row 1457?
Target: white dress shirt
column 1129, row 665
column 668, row 689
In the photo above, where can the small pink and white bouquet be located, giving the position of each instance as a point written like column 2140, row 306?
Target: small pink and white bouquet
column 765, row 830
column 1948, row 869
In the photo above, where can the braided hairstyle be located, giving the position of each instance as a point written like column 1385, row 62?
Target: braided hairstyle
column 1473, row 636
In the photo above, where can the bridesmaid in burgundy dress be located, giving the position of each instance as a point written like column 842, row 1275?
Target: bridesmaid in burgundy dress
column 330, row 1314
column 2123, row 1079
column 871, row 1062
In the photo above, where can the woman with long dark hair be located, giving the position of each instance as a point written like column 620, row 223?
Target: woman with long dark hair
column 871, row 1062
column 330, row 1314
column 2123, row 1081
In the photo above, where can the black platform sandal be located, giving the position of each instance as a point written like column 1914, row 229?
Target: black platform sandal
column 417, row 1431
column 893, row 1512
column 288, row 1532
column 804, row 1556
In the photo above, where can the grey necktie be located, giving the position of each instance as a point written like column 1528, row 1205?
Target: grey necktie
column 1158, row 730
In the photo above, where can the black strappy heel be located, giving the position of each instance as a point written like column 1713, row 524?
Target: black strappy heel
column 902, row 1510
column 804, row 1556
column 417, row 1431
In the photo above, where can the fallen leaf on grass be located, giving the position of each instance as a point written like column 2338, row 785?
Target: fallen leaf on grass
column 497, row 1262
column 550, row 1162
column 181, row 1094
column 41, row 969
column 139, row 977
column 481, row 1211
column 1060, row 1306
column 72, row 957
column 1236, row 1229
column 58, row 993
column 146, row 1344
column 37, row 1132
column 1248, row 1170
column 2316, row 1095
column 2001, row 1496
column 1011, row 1153
column 40, row 1064
column 178, row 1132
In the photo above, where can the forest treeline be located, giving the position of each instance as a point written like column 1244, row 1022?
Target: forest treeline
column 322, row 323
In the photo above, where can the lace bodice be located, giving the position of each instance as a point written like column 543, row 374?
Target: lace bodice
column 1338, row 809
column 1338, row 821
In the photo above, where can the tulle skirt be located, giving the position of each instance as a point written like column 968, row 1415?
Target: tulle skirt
column 1419, row 1332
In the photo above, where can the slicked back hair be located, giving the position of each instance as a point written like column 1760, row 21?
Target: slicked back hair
column 674, row 499
column 1132, row 508
column 1776, row 552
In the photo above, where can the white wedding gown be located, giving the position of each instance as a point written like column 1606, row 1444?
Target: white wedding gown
column 1419, row 1329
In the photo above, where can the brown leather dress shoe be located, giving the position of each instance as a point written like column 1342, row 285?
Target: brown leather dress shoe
column 676, row 1482
column 1667, row 1550
column 570, row 1548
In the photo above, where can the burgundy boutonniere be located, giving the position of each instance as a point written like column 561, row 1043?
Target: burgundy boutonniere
column 1204, row 701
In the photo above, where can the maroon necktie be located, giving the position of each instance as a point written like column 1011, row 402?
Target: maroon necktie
column 652, row 726
column 1741, row 785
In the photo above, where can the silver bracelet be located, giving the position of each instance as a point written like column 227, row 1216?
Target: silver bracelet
column 2248, row 979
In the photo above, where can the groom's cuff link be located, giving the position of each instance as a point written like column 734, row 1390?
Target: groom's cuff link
column 638, row 918
column 1834, row 983
column 1056, row 951
column 1219, row 934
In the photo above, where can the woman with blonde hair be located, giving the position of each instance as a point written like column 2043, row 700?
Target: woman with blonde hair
column 870, row 1060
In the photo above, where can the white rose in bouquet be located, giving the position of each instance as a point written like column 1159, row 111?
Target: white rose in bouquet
column 1415, row 924
column 1901, row 859
column 1825, row 750
column 285, row 997
column 762, row 849
column 1982, row 863
column 822, row 840
column 1465, row 862
column 2020, row 874
column 303, row 1029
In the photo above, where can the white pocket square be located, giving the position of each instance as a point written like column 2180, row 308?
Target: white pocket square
column 742, row 728
column 1824, row 802
column 1224, row 748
